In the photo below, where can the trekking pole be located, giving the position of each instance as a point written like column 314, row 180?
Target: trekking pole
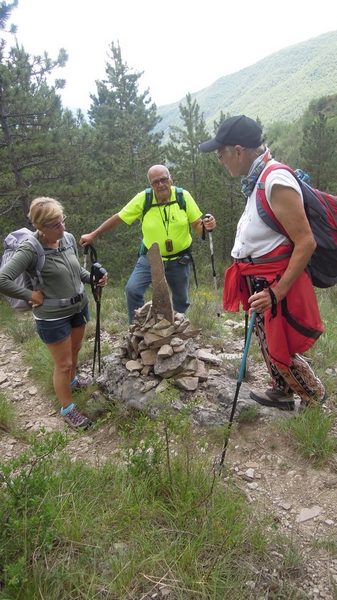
column 97, row 347
column 214, row 274
column 259, row 286
column 246, row 333
column 96, row 273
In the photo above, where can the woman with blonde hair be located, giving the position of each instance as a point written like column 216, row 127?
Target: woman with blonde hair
column 59, row 301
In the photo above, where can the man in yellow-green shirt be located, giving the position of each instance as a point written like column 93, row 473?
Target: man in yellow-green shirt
column 169, row 225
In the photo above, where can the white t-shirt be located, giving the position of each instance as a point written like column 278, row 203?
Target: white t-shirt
column 253, row 237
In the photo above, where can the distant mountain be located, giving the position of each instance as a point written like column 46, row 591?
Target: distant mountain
column 278, row 87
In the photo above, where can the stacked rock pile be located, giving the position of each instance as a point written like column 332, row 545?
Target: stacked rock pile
column 156, row 346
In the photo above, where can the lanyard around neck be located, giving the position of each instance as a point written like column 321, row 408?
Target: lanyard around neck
column 165, row 218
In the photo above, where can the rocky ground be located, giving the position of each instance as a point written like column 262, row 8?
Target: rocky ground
column 301, row 499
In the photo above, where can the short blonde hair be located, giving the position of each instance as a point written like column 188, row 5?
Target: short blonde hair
column 44, row 211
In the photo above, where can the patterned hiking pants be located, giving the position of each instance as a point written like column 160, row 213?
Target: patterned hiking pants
column 298, row 378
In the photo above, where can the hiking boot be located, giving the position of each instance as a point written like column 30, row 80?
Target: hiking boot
column 76, row 420
column 274, row 397
column 81, row 384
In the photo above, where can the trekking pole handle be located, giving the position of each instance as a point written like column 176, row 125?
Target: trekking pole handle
column 97, row 272
column 207, row 216
column 260, row 284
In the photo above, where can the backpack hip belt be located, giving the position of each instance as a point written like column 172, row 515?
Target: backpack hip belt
column 261, row 261
column 65, row 301
column 179, row 254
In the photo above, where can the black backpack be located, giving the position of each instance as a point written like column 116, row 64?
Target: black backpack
column 321, row 211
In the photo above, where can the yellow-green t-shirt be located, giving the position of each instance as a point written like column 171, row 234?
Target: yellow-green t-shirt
column 163, row 221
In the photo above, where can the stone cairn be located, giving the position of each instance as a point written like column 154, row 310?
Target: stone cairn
column 155, row 345
column 160, row 348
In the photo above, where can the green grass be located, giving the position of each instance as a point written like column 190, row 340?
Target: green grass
column 73, row 531
column 324, row 351
column 156, row 515
column 19, row 325
column 37, row 356
column 310, row 431
column 248, row 414
column 7, row 415
column 203, row 312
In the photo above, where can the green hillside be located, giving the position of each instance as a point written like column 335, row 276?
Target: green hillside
column 278, row 87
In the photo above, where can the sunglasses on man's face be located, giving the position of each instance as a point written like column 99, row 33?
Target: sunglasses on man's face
column 160, row 181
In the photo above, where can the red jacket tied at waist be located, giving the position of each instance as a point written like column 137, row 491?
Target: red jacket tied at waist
column 297, row 324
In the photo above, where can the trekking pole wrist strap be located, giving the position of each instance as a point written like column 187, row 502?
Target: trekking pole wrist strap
column 273, row 303
column 203, row 231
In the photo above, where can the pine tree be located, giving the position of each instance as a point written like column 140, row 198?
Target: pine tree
column 124, row 120
column 125, row 147
column 182, row 151
column 5, row 13
column 318, row 151
column 201, row 174
column 30, row 121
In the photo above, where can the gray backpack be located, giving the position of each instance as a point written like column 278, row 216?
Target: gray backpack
column 11, row 243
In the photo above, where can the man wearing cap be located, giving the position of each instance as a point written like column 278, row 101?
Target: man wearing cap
column 288, row 321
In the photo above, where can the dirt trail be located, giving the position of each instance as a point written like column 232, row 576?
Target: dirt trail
column 300, row 500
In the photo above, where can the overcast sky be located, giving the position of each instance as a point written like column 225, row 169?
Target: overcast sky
column 182, row 45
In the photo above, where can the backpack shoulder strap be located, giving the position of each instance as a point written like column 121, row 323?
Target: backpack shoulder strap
column 149, row 197
column 41, row 253
column 263, row 207
column 180, row 198
column 69, row 243
column 68, row 238
column 147, row 201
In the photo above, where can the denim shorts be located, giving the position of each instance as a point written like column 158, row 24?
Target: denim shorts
column 59, row 330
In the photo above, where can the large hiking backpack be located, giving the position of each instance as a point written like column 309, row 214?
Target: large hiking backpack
column 321, row 211
column 11, row 243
